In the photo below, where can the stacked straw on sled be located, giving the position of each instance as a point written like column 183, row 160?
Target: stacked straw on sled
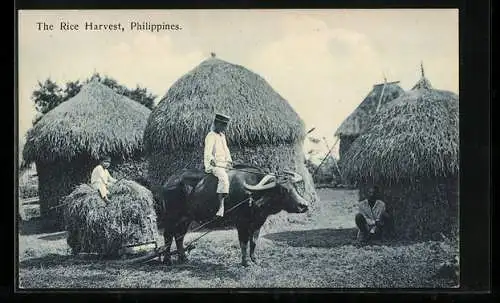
column 97, row 227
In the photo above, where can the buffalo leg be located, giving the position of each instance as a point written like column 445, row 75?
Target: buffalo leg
column 253, row 242
column 167, row 237
column 181, row 231
column 243, row 237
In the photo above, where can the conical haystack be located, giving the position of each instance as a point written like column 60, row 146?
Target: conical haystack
column 411, row 151
column 70, row 139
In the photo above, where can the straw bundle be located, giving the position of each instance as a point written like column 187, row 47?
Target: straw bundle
column 96, row 227
column 264, row 129
column 411, row 151
column 68, row 141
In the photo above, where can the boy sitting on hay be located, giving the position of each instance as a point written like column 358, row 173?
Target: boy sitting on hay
column 110, row 217
column 101, row 178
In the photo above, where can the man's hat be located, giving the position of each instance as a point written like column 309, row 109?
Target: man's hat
column 222, row 118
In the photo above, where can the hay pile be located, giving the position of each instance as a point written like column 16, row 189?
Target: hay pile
column 264, row 131
column 359, row 119
column 411, row 150
column 68, row 141
column 96, row 227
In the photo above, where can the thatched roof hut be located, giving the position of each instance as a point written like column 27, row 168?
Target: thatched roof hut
column 411, row 150
column 357, row 121
column 69, row 140
column 264, row 129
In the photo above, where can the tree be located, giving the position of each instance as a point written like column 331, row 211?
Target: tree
column 72, row 88
column 139, row 94
column 49, row 94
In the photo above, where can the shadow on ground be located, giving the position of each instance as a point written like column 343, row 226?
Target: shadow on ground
column 55, row 260
column 207, row 270
column 35, row 226
column 328, row 238
column 198, row 268
column 324, row 238
column 30, row 227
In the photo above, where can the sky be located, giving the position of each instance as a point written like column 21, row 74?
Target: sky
column 323, row 62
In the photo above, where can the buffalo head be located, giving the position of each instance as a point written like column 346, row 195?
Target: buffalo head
column 279, row 193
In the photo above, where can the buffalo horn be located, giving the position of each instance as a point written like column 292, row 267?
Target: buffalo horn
column 262, row 184
column 295, row 177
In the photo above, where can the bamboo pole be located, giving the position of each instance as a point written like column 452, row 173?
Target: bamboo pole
column 322, row 161
column 381, row 94
column 334, row 160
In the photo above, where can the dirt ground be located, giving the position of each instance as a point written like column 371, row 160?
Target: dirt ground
column 317, row 250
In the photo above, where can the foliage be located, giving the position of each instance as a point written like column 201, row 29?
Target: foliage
column 327, row 173
column 49, row 94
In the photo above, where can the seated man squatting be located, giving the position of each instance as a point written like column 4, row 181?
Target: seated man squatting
column 372, row 220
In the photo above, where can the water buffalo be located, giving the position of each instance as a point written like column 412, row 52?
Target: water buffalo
column 191, row 196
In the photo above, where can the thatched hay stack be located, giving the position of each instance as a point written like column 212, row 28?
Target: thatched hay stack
column 264, row 130
column 358, row 120
column 96, row 227
column 411, row 150
column 69, row 140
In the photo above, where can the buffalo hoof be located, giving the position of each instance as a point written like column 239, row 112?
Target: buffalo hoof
column 254, row 259
column 183, row 259
column 167, row 261
column 245, row 263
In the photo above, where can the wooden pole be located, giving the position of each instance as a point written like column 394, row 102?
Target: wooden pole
column 381, row 94
column 334, row 160
column 317, row 168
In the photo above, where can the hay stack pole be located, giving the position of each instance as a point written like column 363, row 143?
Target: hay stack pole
column 326, row 156
column 334, row 160
column 381, row 95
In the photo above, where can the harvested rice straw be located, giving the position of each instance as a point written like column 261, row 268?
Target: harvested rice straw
column 97, row 227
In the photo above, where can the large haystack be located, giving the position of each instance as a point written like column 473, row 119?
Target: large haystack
column 69, row 140
column 264, row 130
column 411, row 150
column 96, row 227
column 357, row 121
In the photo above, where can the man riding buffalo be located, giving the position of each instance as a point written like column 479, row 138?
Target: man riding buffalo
column 217, row 158
column 248, row 194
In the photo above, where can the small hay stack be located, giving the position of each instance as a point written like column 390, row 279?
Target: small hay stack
column 264, row 131
column 96, row 227
column 411, row 151
column 68, row 142
column 358, row 120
